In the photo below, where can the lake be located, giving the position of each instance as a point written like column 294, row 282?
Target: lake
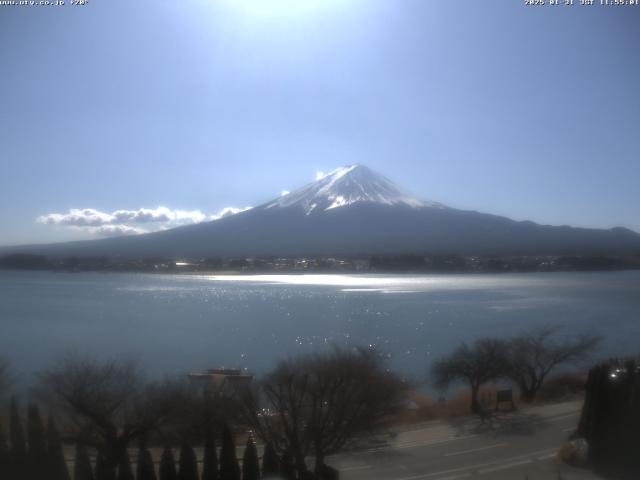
column 181, row 323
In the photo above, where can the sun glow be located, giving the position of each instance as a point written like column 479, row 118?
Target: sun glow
column 281, row 8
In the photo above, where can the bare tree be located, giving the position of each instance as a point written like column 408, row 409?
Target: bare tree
column 109, row 402
column 532, row 356
column 5, row 377
column 482, row 362
column 317, row 405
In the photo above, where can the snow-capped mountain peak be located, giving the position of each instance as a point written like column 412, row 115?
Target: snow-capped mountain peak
column 345, row 186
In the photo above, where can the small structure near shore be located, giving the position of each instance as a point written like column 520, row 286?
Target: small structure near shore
column 221, row 381
column 505, row 396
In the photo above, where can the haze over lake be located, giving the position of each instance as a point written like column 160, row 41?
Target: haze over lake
column 181, row 323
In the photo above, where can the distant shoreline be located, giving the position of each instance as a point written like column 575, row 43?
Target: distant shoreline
column 325, row 264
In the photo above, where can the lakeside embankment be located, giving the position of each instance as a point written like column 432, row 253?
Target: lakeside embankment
column 420, row 264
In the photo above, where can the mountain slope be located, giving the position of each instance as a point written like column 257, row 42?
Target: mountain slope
column 354, row 210
column 347, row 186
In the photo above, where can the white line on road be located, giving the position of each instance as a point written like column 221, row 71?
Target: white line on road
column 355, row 467
column 429, row 443
column 454, row 477
column 504, row 466
column 435, row 443
column 562, row 417
column 416, row 444
column 462, row 452
column 468, row 468
column 547, row 457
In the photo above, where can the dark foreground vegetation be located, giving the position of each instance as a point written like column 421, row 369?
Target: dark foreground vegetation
column 105, row 421
column 363, row 263
column 610, row 421
column 304, row 410
column 526, row 360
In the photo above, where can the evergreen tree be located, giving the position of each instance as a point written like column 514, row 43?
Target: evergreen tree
column 99, row 468
column 229, row 468
column 270, row 462
column 82, row 465
column 250, row 464
column 124, row 467
column 188, row 463
column 18, row 450
column 611, row 417
column 56, row 463
column 37, row 453
column 145, row 470
column 168, row 465
column 4, row 454
column 210, row 461
column 287, row 468
column 104, row 470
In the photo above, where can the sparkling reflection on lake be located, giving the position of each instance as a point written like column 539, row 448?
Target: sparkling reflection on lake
column 179, row 323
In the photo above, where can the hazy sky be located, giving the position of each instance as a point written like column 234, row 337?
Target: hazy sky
column 198, row 105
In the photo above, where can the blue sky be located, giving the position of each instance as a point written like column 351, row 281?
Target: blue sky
column 199, row 105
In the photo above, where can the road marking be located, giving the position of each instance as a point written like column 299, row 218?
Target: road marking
column 454, row 477
column 547, row 457
column 438, row 424
column 462, row 452
column 562, row 417
column 429, row 443
column 468, row 468
column 417, row 444
column 355, row 467
column 504, row 467
column 432, row 442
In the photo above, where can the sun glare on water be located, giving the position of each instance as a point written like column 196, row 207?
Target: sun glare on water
column 280, row 8
column 388, row 283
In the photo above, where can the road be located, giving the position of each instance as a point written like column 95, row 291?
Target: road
column 521, row 445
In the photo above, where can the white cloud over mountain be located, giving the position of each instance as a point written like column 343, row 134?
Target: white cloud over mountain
column 85, row 217
column 113, row 230
column 131, row 222
column 225, row 212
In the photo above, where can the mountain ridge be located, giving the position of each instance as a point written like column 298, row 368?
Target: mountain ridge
column 352, row 210
column 345, row 186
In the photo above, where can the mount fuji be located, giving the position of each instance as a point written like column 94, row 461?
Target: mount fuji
column 347, row 186
column 352, row 211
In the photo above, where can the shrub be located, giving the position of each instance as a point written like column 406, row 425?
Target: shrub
column 610, row 419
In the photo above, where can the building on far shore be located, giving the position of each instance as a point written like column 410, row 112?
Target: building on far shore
column 218, row 382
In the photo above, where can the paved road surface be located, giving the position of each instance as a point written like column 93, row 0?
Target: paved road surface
column 515, row 446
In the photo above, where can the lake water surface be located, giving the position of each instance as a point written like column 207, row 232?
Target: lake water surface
column 180, row 323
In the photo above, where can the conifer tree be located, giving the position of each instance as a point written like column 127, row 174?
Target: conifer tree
column 104, row 470
column 124, row 467
column 99, row 468
column 145, row 470
column 210, row 461
column 4, row 454
column 270, row 462
column 82, row 465
column 168, row 465
column 229, row 468
column 37, row 452
column 188, row 463
column 56, row 464
column 18, row 450
column 250, row 464
column 287, row 468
